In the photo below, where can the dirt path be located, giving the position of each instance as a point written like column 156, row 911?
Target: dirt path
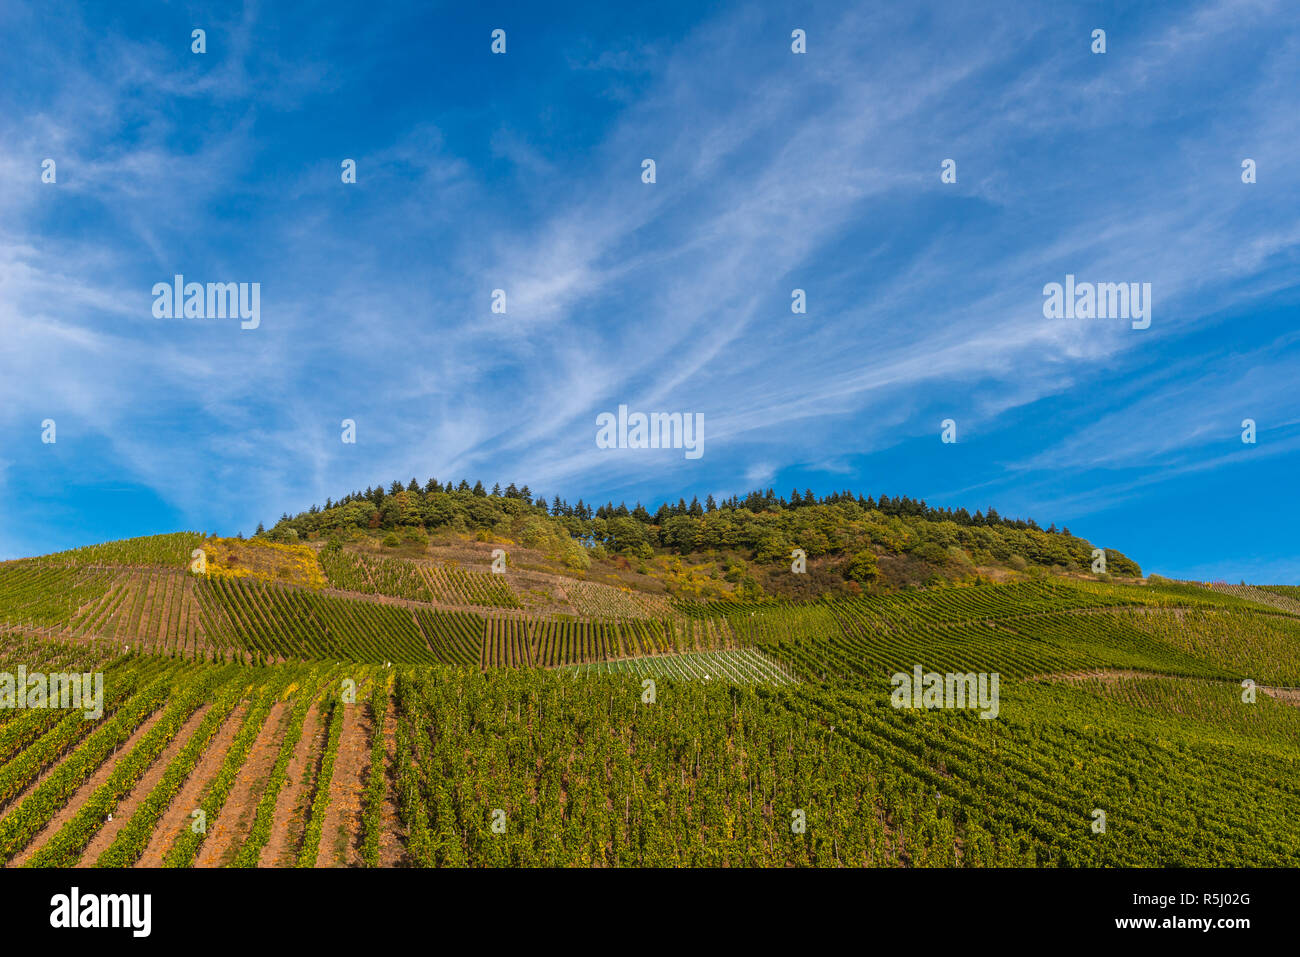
column 1108, row 675
column 292, row 803
column 1112, row 676
column 177, row 816
column 1289, row 695
column 341, row 835
column 126, row 807
column 84, row 792
column 392, row 835
column 482, row 610
column 232, row 825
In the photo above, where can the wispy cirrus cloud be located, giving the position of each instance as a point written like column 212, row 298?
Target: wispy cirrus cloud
column 775, row 172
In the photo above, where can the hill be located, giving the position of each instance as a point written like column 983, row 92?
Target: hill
column 463, row 681
column 743, row 546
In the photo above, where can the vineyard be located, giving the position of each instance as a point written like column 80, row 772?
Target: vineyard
column 712, row 774
column 1284, row 598
column 274, row 622
column 415, row 581
column 743, row 666
column 411, row 714
column 153, row 551
column 594, row 600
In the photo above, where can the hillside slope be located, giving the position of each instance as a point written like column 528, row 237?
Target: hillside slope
column 849, row 544
column 343, row 704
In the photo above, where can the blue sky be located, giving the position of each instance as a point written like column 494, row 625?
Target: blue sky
column 774, row 171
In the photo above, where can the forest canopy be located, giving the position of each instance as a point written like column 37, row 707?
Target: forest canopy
column 766, row 526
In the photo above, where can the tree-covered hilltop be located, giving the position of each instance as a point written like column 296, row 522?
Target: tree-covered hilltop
column 856, row 534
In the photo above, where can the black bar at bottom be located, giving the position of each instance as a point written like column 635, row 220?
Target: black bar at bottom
column 638, row 907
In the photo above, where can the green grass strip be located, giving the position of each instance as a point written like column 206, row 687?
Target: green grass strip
column 316, row 822
column 372, row 801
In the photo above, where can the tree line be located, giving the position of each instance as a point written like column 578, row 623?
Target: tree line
column 754, row 501
column 760, row 522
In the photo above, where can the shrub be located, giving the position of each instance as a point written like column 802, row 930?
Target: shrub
column 862, row 567
column 931, row 552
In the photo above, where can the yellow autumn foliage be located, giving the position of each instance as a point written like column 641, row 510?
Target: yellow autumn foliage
column 269, row 561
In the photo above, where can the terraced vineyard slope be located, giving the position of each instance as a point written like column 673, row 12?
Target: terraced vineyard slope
column 373, row 710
